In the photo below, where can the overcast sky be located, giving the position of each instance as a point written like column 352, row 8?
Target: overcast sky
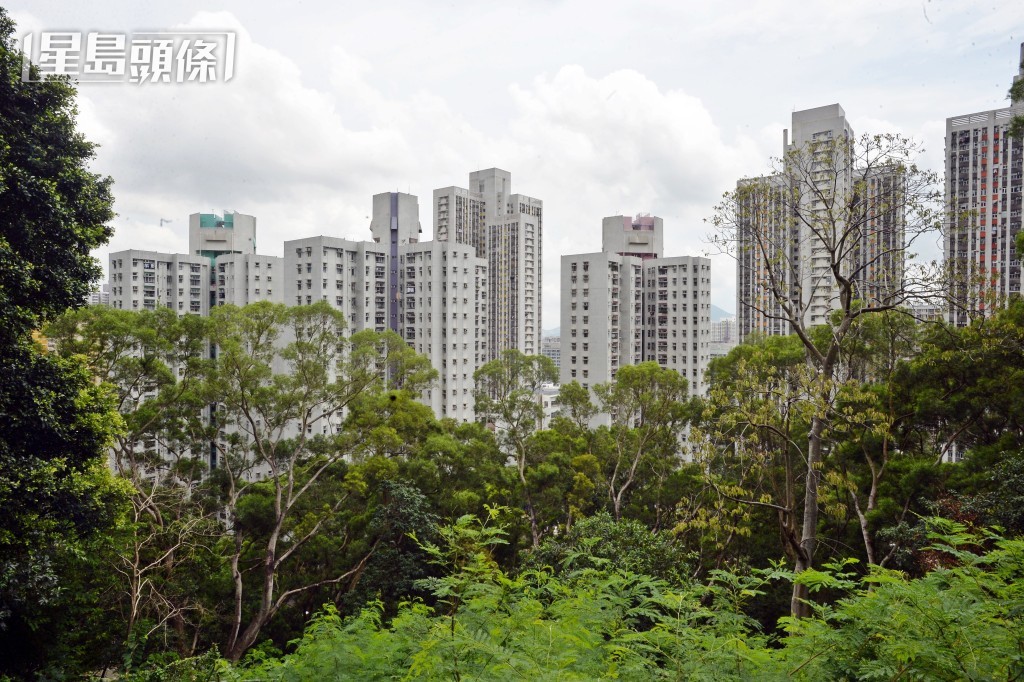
column 596, row 108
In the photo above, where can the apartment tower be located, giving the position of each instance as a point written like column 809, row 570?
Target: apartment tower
column 983, row 199
column 785, row 229
column 506, row 230
column 628, row 304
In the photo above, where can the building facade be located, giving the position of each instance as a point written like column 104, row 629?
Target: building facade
column 444, row 317
column 601, row 316
column 351, row 276
column 641, row 237
column 983, row 198
column 395, row 223
column 619, row 310
column 724, row 337
column 241, row 279
column 788, row 225
column 506, row 230
column 677, row 316
column 100, row 295
column 147, row 280
column 214, row 234
column 551, row 348
column 460, row 216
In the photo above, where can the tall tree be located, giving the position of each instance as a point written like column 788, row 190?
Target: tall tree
column 153, row 362
column 648, row 412
column 855, row 208
column 506, row 398
column 283, row 379
column 55, row 422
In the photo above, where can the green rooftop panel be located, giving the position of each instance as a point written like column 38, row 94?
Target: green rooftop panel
column 214, row 220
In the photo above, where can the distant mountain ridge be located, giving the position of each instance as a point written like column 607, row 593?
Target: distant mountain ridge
column 719, row 313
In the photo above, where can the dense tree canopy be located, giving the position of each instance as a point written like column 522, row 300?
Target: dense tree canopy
column 55, row 422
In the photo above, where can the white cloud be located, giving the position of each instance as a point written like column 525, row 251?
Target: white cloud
column 598, row 146
column 271, row 145
column 653, row 107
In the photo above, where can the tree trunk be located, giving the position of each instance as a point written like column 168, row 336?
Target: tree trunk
column 809, row 532
column 530, row 511
column 236, row 575
column 266, row 608
column 865, row 531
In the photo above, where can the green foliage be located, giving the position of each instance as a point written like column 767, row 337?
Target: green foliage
column 56, row 423
column 390, row 575
column 593, row 624
column 52, row 209
column 506, row 400
column 965, row 384
column 961, row 622
column 601, row 542
column 648, row 410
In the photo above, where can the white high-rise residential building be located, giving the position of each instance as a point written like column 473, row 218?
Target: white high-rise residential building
column 213, row 234
column 444, row 316
column 984, row 175
column 724, row 337
column 434, row 294
column 350, row 275
column 677, row 316
column 147, row 280
column 460, row 216
column 724, row 331
column 601, row 316
column 507, row 230
column 814, row 277
column 241, row 279
column 622, row 310
column 783, row 249
column 395, row 223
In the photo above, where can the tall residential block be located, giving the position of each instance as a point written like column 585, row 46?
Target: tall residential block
column 551, row 348
column 214, row 234
column 351, row 276
column 99, row 295
column 724, row 337
column 601, row 316
column 622, row 310
column 241, row 279
column 786, row 229
column 677, row 311
column 506, row 230
column 395, row 223
column 147, row 280
column 983, row 200
column 460, row 216
column 444, row 316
